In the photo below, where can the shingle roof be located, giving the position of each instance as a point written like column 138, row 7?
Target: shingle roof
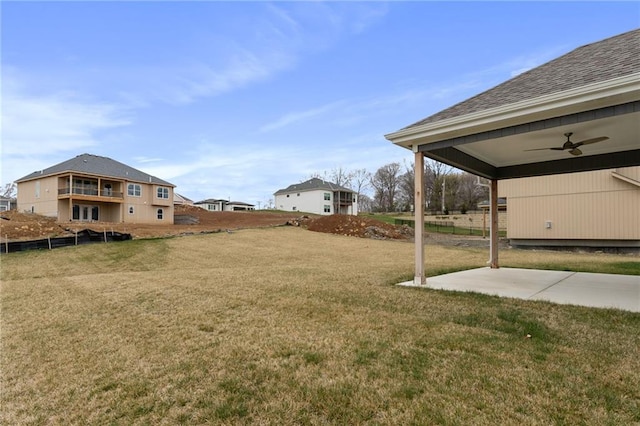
column 99, row 166
column 211, row 201
column 241, row 203
column 593, row 63
column 313, row 184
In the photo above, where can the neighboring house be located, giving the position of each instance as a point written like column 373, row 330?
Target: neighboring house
column 212, row 205
column 239, row 206
column 7, row 204
column 179, row 200
column 93, row 188
column 597, row 209
column 317, row 196
column 216, row 205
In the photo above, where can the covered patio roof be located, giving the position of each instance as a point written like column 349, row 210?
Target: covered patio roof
column 578, row 112
column 591, row 92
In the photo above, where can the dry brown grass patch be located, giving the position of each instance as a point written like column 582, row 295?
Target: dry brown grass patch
column 287, row 326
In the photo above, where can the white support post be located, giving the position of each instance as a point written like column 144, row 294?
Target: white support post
column 418, row 220
column 493, row 230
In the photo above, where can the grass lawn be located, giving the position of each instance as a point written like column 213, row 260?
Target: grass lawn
column 287, row 326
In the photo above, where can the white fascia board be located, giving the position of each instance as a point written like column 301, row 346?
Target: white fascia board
column 597, row 95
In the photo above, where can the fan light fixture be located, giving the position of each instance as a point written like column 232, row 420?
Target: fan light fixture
column 572, row 147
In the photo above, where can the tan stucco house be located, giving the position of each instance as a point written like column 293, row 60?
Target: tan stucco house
column 90, row 188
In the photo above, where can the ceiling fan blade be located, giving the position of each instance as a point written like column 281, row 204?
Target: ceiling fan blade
column 573, row 147
column 594, row 140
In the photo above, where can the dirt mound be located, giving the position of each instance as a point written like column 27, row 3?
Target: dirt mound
column 15, row 225
column 18, row 226
column 356, row 226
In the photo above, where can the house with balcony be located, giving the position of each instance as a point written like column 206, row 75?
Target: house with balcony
column 317, row 196
column 90, row 188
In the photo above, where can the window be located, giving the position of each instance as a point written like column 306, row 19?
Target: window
column 163, row 192
column 298, row 194
column 38, row 189
column 327, row 208
column 160, row 214
column 134, row 190
column 76, row 212
column 327, row 196
column 130, row 209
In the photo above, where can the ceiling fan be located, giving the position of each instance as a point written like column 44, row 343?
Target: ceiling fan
column 573, row 147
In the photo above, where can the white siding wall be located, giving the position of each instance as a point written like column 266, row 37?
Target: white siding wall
column 305, row 201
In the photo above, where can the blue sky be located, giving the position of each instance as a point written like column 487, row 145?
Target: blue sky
column 240, row 99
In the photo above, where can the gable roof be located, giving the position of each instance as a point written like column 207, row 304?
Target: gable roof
column 99, row 166
column 240, row 203
column 181, row 198
column 223, row 202
column 507, row 131
column 211, row 201
column 313, row 184
column 604, row 60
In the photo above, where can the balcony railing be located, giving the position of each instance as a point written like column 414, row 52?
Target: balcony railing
column 91, row 191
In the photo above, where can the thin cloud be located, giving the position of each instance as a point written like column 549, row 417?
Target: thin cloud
column 367, row 15
column 201, row 80
column 39, row 128
column 145, row 160
column 295, row 117
column 53, row 123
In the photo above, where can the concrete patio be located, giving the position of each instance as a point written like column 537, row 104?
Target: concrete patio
column 575, row 288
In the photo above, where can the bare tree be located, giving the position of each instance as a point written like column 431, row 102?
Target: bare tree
column 365, row 203
column 9, row 190
column 450, row 188
column 406, row 188
column 435, row 173
column 361, row 179
column 469, row 192
column 385, row 185
column 317, row 175
column 341, row 177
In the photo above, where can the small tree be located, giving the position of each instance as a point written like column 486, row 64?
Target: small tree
column 341, row 177
column 9, row 190
column 385, row 185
